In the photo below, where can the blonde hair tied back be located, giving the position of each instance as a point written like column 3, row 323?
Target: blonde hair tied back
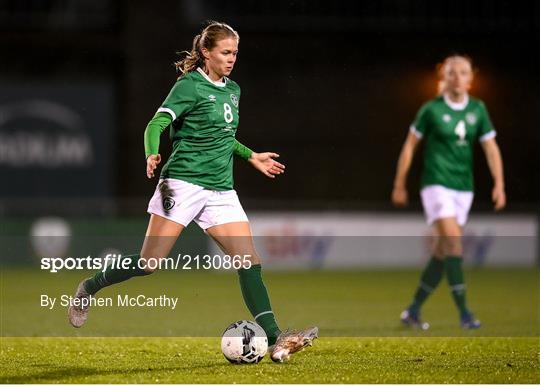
column 208, row 38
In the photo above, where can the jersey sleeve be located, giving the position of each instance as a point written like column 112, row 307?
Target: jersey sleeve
column 153, row 131
column 180, row 100
column 242, row 151
column 486, row 130
column 420, row 124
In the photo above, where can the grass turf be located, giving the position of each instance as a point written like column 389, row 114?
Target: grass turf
column 361, row 340
column 331, row 360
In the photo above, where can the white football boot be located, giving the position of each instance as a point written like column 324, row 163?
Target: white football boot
column 289, row 342
column 78, row 314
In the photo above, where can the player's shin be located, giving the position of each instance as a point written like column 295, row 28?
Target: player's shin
column 429, row 280
column 115, row 273
column 257, row 300
column 454, row 273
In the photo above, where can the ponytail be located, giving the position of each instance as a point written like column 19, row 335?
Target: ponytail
column 191, row 60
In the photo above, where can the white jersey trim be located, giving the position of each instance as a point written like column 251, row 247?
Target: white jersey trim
column 456, row 105
column 415, row 132
column 219, row 84
column 167, row 110
column 488, row 136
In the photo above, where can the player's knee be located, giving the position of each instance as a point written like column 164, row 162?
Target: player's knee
column 440, row 251
column 452, row 246
column 149, row 265
column 148, row 271
column 253, row 257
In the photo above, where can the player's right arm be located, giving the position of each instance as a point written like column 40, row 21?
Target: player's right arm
column 417, row 130
column 153, row 131
column 180, row 100
column 399, row 193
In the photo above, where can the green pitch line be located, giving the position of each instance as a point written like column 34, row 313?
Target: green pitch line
column 331, row 360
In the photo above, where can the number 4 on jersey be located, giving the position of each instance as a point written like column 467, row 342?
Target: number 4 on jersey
column 461, row 132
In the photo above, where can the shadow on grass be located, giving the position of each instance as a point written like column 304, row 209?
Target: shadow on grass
column 62, row 373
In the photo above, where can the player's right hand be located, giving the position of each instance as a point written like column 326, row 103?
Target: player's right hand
column 152, row 162
column 400, row 197
column 499, row 198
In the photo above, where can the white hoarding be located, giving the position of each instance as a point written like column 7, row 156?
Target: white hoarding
column 339, row 240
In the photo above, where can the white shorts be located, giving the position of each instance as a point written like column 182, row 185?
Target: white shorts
column 183, row 202
column 441, row 202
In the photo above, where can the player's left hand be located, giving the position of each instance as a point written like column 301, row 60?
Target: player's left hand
column 265, row 163
column 499, row 197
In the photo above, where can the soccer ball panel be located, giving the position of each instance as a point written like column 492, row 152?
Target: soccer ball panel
column 244, row 342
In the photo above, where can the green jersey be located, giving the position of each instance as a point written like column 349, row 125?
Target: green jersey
column 450, row 130
column 205, row 118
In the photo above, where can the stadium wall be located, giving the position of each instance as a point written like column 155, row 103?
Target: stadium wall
column 365, row 240
column 287, row 240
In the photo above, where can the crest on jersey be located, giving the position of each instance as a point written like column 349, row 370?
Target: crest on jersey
column 234, row 100
column 470, row 118
column 168, row 203
column 446, row 118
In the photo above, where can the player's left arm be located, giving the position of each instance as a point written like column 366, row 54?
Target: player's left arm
column 266, row 164
column 495, row 163
column 263, row 162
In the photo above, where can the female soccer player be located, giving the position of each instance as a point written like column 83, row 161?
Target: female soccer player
column 196, row 183
column 450, row 124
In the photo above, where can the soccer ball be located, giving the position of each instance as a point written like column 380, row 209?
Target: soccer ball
column 244, row 342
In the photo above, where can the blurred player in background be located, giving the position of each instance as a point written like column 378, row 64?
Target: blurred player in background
column 449, row 125
column 196, row 183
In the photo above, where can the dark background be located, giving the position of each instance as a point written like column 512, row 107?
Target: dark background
column 331, row 86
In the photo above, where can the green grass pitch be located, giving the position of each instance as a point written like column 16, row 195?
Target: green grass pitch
column 331, row 360
column 357, row 312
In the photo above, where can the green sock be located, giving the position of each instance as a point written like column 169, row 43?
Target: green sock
column 257, row 301
column 113, row 275
column 429, row 280
column 454, row 273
